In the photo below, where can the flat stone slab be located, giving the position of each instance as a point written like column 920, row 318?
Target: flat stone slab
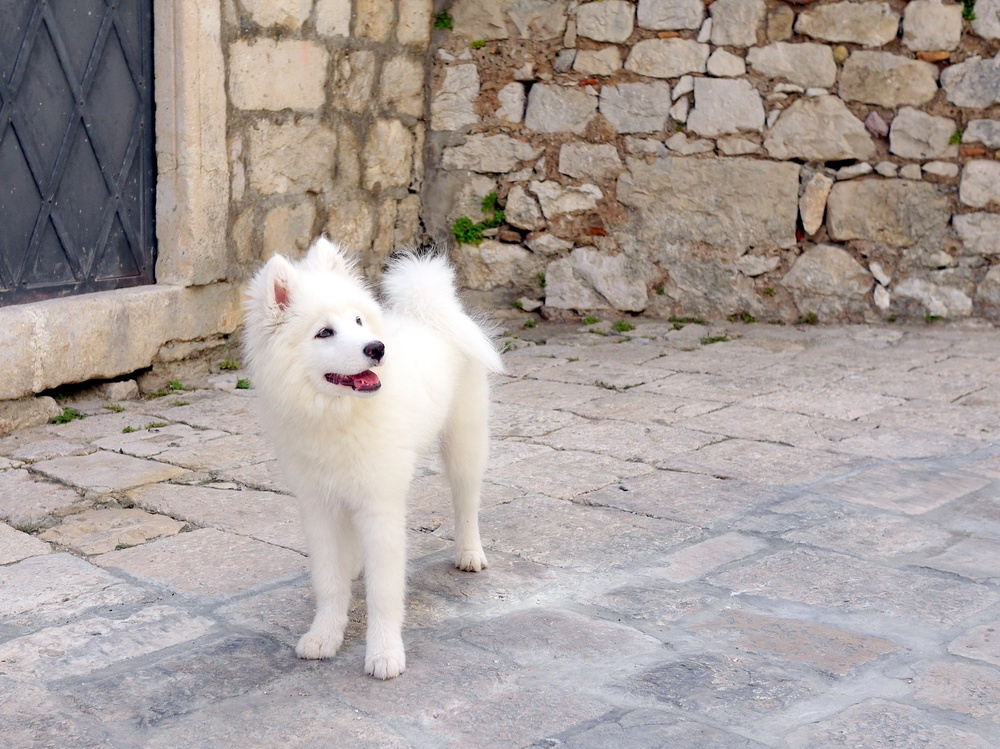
column 106, row 471
column 100, row 531
column 911, row 489
column 980, row 643
column 15, row 545
column 151, row 441
column 206, row 562
column 26, row 500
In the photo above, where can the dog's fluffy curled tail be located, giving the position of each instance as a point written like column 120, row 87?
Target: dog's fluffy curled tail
column 423, row 288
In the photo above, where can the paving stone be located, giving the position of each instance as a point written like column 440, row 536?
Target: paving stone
column 760, row 462
column 540, row 394
column 264, row 476
column 93, row 644
column 206, row 562
column 222, row 453
column 106, row 471
column 831, row 402
column 980, row 643
column 974, row 558
column 834, row 581
column 15, row 545
column 962, row 687
column 564, row 473
column 644, row 408
column 151, row 441
column 911, row 489
column 103, row 530
column 538, row 529
column 687, row 497
column 635, row 443
column 57, row 587
column 695, row 561
column 266, row 516
column 646, row 727
column 33, row 716
column 834, row 651
column 879, row 722
column 881, row 537
column 25, row 501
column 725, row 689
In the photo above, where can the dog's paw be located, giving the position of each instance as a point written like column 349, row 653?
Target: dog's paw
column 385, row 664
column 314, row 645
column 470, row 560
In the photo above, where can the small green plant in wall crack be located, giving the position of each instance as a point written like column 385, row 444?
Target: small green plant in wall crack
column 956, row 137
column 443, row 20
column 466, row 232
column 967, row 10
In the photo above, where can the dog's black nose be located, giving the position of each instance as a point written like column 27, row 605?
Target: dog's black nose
column 375, row 350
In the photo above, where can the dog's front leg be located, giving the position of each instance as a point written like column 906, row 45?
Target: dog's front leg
column 334, row 560
column 383, row 540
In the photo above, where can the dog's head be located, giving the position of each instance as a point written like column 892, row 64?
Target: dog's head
column 315, row 319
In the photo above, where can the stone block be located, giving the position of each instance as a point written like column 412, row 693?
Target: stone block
column 452, row 104
column 739, row 204
column 980, row 643
column 604, row 61
column 492, row 265
column 722, row 64
column 695, row 561
column 354, row 83
column 299, row 65
column 15, row 545
column 670, row 15
column 913, row 490
column 556, row 199
column 414, row 24
column 489, row 153
column 27, row 412
column 758, row 462
column 288, row 229
column 553, row 109
column 979, row 232
column 805, row 64
column 987, row 21
column 779, row 23
column 333, row 17
column 401, row 86
column 735, row 22
column 878, row 722
column 834, row 651
column 975, row 558
column 937, row 299
column 966, row 688
column 512, row 100
column 609, row 21
column 819, row 128
column 589, row 279
column 896, row 212
column 986, row 132
column 880, row 536
column 849, row 585
column 388, row 156
column 667, row 58
column 57, row 588
column 932, row 25
column 590, row 161
column 522, row 211
column 973, row 83
column 827, row 281
column 373, row 19
column 886, row 79
column 286, row 14
column 26, row 501
column 264, row 515
column 812, row 202
column 80, row 648
column 917, row 135
column 100, row 531
column 105, row 471
column 636, row 107
column 291, row 157
column 725, row 106
column 980, row 186
column 207, row 562
column 231, row 451
column 868, row 24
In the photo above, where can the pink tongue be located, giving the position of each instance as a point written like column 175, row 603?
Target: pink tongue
column 365, row 380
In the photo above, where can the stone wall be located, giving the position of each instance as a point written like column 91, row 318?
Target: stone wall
column 830, row 160
column 325, row 126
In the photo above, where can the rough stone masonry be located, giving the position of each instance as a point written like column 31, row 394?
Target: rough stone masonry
column 784, row 160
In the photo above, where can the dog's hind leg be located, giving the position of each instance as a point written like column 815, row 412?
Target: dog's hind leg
column 465, row 449
column 334, row 560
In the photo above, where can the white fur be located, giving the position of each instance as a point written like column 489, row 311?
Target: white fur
column 350, row 456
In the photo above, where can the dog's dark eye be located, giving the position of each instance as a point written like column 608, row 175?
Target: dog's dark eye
column 325, row 333
column 357, row 320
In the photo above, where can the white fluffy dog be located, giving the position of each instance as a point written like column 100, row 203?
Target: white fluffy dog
column 348, row 439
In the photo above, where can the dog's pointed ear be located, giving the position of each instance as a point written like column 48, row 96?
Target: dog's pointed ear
column 279, row 277
column 325, row 255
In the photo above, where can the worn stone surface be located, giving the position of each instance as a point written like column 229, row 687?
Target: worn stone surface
column 636, row 107
column 979, row 232
column 980, row 186
column 604, row 61
column 819, row 128
column 907, row 213
column 812, row 202
column 667, row 58
column 494, row 264
column 932, row 25
column 106, row 471
column 779, row 23
column 670, row 14
column 100, row 531
column 452, row 106
column 735, row 22
column 512, row 100
column 973, row 83
column 489, row 153
column 887, row 79
column 828, row 282
column 556, row 200
column 610, row 21
column 725, row 106
column 986, row 132
column 724, row 64
column 15, row 545
column 553, row 109
column 917, row 135
column 868, row 24
column 333, row 17
column 592, row 280
column 292, row 157
column 27, row 412
column 805, row 64
column 300, row 65
column 936, row 299
column 987, row 21
column 590, row 161
column 521, row 210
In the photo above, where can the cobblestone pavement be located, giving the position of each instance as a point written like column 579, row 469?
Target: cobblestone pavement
column 787, row 539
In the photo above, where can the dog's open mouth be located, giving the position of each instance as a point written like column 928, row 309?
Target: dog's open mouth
column 363, row 382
